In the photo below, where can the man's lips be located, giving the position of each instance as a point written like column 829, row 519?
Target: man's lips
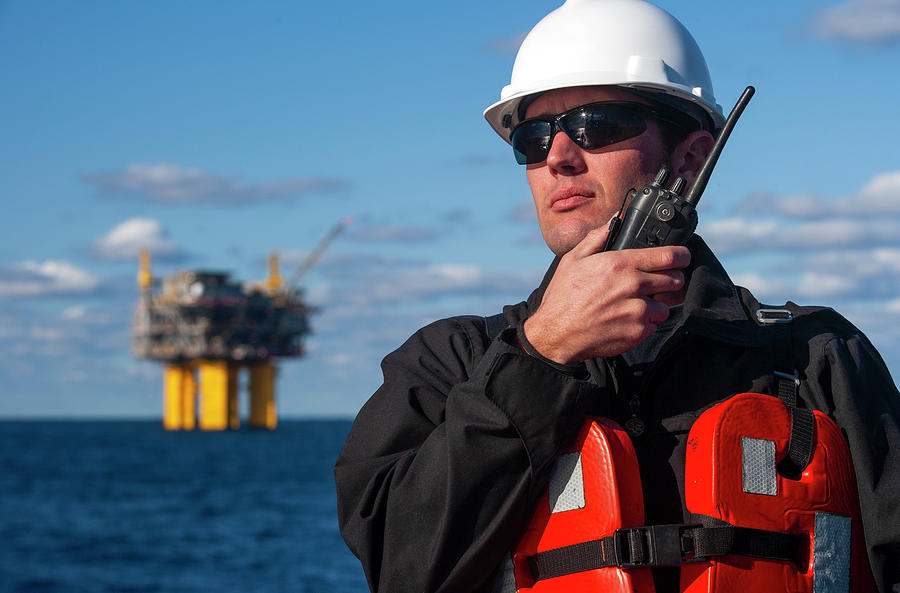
column 569, row 198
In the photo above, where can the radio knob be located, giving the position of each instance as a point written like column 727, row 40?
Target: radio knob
column 665, row 212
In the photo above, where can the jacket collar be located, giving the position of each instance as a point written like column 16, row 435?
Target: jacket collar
column 713, row 306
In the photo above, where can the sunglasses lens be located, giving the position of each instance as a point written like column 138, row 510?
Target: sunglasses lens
column 591, row 127
column 596, row 127
column 531, row 141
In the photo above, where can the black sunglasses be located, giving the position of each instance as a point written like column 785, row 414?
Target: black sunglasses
column 590, row 126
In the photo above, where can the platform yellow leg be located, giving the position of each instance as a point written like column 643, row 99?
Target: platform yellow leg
column 188, row 398
column 214, row 395
column 173, row 392
column 234, row 414
column 263, row 413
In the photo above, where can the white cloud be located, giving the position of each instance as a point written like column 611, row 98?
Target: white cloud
column 879, row 197
column 871, row 275
column 844, row 251
column 841, row 252
column 52, row 277
column 173, row 184
column 805, row 206
column 813, row 286
column 415, row 282
column 50, row 357
column 869, row 218
column 86, row 317
column 385, row 233
column 367, row 278
column 746, row 234
column 760, row 285
column 126, row 239
column 860, row 262
column 74, row 313
column 861, row 21
column 819, row 285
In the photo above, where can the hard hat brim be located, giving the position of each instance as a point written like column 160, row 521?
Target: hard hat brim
column 504, row 115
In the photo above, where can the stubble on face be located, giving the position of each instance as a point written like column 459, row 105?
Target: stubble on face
column 576, row 191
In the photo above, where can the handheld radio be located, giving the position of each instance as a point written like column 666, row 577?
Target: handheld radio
column 658, row 216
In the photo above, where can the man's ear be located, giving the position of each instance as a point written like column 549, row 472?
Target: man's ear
column 688, row 156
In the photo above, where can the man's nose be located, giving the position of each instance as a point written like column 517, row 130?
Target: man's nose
column 565, row 156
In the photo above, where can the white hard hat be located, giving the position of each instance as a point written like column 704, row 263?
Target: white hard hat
column 627, row 43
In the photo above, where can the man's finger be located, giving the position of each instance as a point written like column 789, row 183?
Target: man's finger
column 657, row 312
column 666, row 281
column 656, row 259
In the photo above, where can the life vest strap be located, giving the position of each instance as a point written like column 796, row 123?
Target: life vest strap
column 718, row 538
column 787, row 380
column 627, row 547
column 597, row 553
column 665, row 545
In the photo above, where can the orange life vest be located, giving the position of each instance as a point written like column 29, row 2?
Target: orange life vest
column 757, row 530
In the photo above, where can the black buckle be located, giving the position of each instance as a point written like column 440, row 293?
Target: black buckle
column 792, row 377
column 654, row 545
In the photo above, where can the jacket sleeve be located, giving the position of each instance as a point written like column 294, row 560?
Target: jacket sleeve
column 443, row 463
column 866, row 406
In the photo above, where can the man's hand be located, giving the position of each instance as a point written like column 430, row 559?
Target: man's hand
column 604, row 303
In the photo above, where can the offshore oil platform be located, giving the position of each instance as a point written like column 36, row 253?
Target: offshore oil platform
column 206, row 328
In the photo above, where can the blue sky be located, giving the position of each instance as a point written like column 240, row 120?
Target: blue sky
column 216, row 132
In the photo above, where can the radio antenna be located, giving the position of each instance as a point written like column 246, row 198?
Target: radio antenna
column 693, row 195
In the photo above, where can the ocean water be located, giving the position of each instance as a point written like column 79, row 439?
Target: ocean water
column 128, row 507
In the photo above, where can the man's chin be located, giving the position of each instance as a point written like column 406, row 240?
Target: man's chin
column 565, row 237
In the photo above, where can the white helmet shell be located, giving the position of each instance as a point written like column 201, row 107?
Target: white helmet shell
column 626, row 43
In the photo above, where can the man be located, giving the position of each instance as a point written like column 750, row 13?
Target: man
column 445, row 464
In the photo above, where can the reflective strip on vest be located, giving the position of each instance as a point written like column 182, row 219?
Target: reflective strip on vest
column 831, row 563
column 758, row 463
column 567, row 484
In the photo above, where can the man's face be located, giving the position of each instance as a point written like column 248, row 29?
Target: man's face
column 575, row 190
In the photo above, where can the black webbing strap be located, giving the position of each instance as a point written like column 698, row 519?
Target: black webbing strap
column 746, row 541
column 666, row 545
column 803, row 423
column 717, row 537
column 800, row 447
column 598, row 553
column 628, row 547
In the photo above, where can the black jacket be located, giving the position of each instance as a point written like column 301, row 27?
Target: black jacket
column 444, row 463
